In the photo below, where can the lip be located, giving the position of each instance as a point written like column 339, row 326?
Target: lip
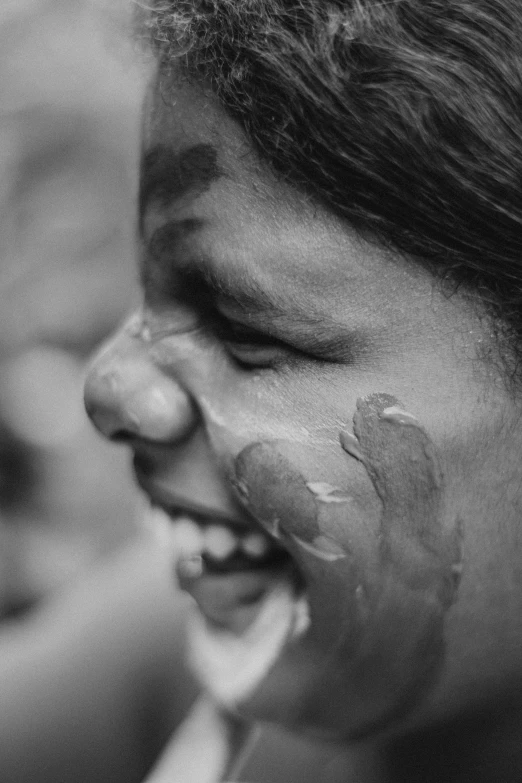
column 175, row 505
column 226, row 599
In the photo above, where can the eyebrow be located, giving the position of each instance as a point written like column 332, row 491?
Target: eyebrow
column 167, row 175
column 197, row 276
column 199, row 283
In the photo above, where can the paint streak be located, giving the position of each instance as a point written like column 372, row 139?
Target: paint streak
column 403, row 466
column 275, row 491
column 351, row 445
column 397, row 415
column 326, row 493
column 322, row 547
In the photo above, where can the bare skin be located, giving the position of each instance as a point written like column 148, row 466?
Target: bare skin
column 266, row 325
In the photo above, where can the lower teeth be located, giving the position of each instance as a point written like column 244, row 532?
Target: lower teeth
column 220, row 552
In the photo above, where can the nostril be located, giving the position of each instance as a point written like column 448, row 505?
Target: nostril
column 109, row 424
column 121, row 436
column 144, row 464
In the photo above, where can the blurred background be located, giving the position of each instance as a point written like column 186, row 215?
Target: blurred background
column 70, row 89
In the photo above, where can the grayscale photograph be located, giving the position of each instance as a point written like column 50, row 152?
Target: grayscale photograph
column 260, row 391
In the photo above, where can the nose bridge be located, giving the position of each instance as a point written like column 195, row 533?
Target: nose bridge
column 128, row 395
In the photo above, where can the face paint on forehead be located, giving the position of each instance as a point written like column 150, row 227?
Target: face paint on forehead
column 392, row 581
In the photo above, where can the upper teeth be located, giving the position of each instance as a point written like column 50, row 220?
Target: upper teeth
column 217, row 541
column 255, row 545
column 189, row 537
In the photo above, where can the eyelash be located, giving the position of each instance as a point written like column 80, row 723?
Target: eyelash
column 242, row 340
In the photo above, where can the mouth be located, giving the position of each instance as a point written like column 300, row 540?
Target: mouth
column 249, row 599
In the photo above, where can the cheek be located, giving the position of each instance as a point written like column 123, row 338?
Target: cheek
column 307, row 495
column 243, row 410
column 383, row 482
column 368, row 527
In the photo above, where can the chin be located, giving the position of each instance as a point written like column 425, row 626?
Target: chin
column 275, row 659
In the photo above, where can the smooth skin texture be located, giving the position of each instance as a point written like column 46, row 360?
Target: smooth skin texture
column 266, row 320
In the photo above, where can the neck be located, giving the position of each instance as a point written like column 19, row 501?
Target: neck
column 483, row 747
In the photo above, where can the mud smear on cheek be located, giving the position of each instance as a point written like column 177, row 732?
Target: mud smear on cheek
column 283, row 501
column 417, row 543
column 391, row 603
column 290, row 508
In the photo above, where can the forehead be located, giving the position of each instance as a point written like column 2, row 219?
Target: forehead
column 181, row 116
column 249, row 218
column 213, row 166
column 251, row 224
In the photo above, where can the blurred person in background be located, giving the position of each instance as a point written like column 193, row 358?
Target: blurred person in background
column 321, row 388
column 87, row 616
column 68, row 126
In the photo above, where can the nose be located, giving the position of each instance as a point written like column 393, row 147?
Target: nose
column 128, row 396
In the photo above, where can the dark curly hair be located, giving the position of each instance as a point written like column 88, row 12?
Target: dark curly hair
column 403, row 116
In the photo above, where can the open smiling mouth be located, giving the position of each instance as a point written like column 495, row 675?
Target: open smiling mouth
column 249, row 597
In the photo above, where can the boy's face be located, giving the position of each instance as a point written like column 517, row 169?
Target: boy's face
column 284, row 376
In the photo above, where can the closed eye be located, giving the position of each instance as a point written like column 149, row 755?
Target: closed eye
column 249, row 347
column 257, row 348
